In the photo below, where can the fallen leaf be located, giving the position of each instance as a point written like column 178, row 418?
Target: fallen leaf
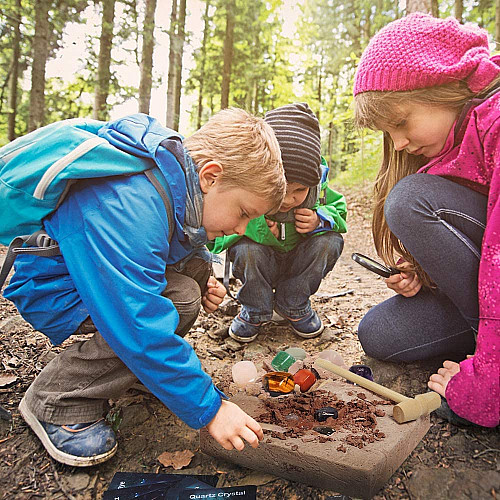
column 176, row 459
column 6, row 380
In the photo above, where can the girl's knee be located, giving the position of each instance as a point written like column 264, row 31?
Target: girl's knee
column 399, row 202
column 370, row 335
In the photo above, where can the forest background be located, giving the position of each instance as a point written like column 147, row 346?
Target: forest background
column 181, row 61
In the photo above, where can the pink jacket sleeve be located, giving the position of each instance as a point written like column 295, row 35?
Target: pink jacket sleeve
column 474, row 392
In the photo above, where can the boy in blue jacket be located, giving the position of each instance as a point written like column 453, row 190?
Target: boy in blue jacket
column 283, row 257
column 118, row 271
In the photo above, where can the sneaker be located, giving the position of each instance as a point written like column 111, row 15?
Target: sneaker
column 446, row 413
column 243, row 331
column 80, row 445
column 307, row 327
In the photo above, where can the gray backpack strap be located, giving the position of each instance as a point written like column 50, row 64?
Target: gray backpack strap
column 166, row 200
column 40, row 244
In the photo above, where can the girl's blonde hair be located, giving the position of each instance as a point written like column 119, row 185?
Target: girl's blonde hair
column 247, row 149
column 375, row 108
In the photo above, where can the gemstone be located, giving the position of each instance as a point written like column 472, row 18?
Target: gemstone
column 298, row 365
column 324, row 430
column 304, row 379
column 277, row 383
column 363, row 371
column 282, row 361
column 296, row 352
column 332, row 356
column 244, row 372
column 323, row 413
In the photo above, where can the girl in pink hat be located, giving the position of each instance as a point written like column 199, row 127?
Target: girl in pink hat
column 432, row 87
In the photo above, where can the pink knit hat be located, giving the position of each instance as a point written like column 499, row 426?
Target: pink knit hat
column 420, row 51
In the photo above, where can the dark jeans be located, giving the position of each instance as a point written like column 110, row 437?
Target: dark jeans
column 441, row 223
column 285, row 280
column 76, row 385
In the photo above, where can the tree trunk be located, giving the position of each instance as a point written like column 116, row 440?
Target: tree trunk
column 40, row 52
column 171, row 66
column 497, row 20
column 418, row 6
column 181, row 36
column 103, row 67
column 228, row 54
column 435, row 8
column 331, row 132
column 459, row 10
column 148, row 43
column 206, row 29
column 14, row 74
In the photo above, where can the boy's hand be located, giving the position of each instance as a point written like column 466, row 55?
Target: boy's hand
column 439, row 381
column 406, row 284
column 231, row 425
column 273, row 227
column 214, row 295
column 306, row 220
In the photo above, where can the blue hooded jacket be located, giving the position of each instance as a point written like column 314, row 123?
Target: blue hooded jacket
column 113, row 236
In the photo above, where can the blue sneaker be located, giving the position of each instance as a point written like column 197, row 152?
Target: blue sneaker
column 307, row 327
column 80, row 445
column 243, row 331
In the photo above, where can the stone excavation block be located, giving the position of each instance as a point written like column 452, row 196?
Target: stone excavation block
column 333, row 461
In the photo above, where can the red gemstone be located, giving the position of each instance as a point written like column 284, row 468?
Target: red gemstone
column 304, row 379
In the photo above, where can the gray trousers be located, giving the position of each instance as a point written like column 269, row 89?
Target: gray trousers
column 76, row 385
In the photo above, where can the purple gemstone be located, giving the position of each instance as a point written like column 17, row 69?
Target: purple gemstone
column 363, row 371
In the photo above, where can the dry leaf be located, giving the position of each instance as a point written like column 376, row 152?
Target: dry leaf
column 6, row 380
column 177, row 459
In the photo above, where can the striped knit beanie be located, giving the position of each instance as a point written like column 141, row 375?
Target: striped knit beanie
column 297, row 130
column 420, row 51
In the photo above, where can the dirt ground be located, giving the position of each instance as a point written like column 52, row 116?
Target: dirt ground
column 450, row 462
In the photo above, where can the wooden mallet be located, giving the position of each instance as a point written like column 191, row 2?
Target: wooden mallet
column 406, row 410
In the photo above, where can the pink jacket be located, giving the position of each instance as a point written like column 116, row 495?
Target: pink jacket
column 474, row 392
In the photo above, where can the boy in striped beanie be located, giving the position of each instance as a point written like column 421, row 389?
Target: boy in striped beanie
column 282, row 258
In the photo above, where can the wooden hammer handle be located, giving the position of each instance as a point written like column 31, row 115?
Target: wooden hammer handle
column 361, row 381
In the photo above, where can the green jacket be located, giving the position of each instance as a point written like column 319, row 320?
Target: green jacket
column 331, row 208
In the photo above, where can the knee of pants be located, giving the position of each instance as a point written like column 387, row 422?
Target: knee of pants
column 401, row 202
column 326, row 248
column 371, row 338
column 247, row 256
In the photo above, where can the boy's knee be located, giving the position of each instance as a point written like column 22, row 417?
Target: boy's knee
column 247, row 254
column 326, row 247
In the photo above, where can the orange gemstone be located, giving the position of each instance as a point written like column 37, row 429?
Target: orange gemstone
column 278, row 382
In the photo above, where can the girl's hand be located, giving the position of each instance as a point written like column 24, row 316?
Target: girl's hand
column 306, row 220
column 439, row 381
column 273, row 227
column 231, row 425
column 213, row 296
column 406, row 284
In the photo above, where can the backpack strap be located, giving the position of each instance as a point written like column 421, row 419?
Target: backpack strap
column 41, row 244
column 467, row 108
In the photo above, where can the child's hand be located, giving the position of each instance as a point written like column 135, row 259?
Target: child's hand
column 231, row 425
column 439, row 381
column 406, row 284
column 273, row 227
column 213, row 296
column 306, row 220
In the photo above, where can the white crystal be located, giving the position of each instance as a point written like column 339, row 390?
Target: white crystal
column 244, row 372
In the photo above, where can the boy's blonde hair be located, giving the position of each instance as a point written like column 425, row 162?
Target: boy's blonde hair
column 247, row 149
column 372, row 110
